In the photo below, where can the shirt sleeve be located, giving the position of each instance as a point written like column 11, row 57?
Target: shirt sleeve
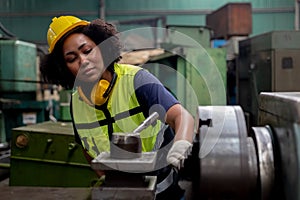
column 152, row 94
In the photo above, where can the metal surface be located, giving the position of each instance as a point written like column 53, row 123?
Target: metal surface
column 279, row 108
column 125, row 167
column 266, row 163
column 125, row 178
column 227, row 154
column 144, row 163
column 146, row 192
column 281, row 111
column 125, row 146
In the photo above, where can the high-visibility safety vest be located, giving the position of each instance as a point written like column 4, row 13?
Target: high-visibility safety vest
column 122, row 113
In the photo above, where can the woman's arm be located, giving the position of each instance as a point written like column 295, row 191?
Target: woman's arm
column 182, row 122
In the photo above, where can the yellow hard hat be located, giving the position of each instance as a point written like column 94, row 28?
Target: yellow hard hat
column 60, row 26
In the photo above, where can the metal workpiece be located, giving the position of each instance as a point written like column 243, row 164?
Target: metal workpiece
column 129, row 145
column 125, row 146
column 228, row 163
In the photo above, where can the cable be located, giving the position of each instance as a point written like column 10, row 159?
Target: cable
column 7, row 32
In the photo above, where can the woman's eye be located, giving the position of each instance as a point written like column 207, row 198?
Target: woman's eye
column 87, row 51
column 70, row 59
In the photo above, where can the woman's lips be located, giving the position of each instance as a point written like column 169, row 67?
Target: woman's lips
column 88, row 71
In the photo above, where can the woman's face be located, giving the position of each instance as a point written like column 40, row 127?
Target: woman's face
column 83, row 58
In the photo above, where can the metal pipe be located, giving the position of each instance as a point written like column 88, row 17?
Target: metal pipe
column 191, row 11
column 140, row 12
column 102, row 9
column 296, row 15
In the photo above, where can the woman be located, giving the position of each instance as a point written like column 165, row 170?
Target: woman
column 111, row 97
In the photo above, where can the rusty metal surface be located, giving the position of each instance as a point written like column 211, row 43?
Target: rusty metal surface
column 232, row 19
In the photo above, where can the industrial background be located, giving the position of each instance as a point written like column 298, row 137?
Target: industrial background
column 36, row 14
column 234, row 65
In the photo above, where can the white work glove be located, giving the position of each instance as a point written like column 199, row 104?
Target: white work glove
column 178, row 152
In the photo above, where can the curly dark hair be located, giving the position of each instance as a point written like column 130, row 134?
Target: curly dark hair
column 53, row 67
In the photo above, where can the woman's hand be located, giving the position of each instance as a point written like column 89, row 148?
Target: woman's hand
column 183, row 124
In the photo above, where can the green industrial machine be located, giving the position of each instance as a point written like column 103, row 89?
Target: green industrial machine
column 18, row 85
column 267, row 63
column 17, row 70
column 45, row 154
column 18, row 62
column 200, row 34
column 16, row 113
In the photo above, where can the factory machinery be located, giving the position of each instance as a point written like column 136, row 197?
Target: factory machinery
column 228, row 161
column 236, row 162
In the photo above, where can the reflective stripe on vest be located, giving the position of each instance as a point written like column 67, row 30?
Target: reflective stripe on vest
column 123, row 113
column 166, row 183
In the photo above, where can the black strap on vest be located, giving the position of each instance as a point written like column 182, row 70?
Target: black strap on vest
column 109, row 119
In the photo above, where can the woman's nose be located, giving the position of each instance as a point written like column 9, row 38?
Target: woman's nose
column 83, row 59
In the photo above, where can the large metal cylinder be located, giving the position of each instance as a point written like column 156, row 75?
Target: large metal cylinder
column 228, row 161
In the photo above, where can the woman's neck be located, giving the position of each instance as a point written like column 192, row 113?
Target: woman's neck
column 88, row 86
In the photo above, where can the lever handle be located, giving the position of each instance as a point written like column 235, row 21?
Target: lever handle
column 147, row 122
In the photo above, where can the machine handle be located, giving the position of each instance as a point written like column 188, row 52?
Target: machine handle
column 147, row 122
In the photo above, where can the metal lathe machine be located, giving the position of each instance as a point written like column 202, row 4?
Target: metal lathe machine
column 229, row 160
